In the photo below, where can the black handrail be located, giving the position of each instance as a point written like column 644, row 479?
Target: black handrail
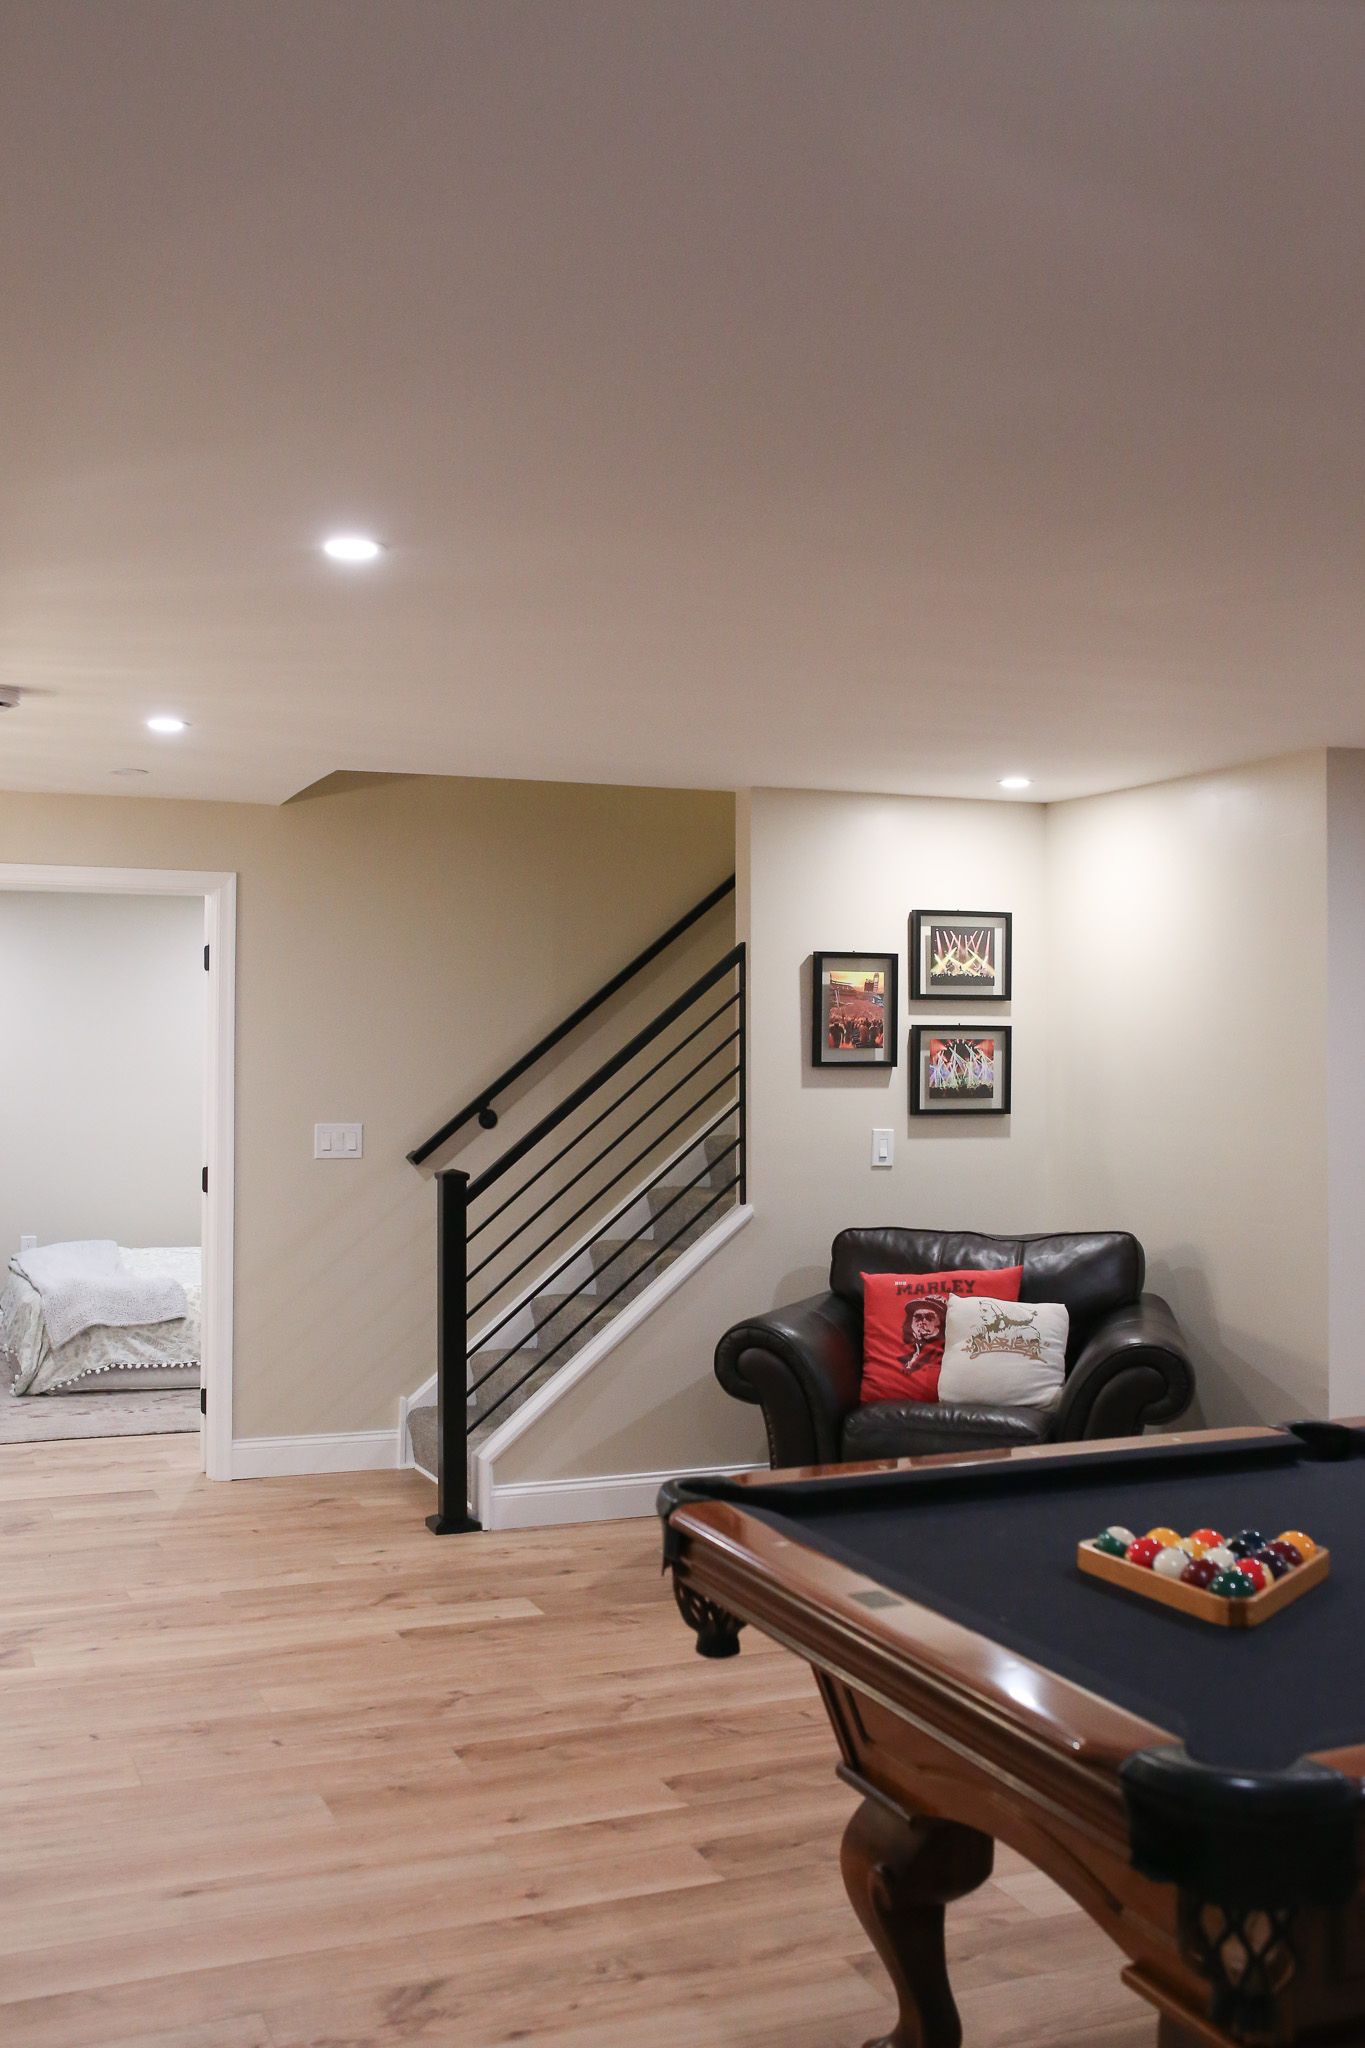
column 540, row 1362
column 609, row 1068
column 509, row 1201
column 482, row 1104
column 477, row 1307
column 456, row 1379
column 636, row 1159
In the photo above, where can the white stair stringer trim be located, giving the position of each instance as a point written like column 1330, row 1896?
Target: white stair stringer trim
column 425, row 1396
column 576, row 1368
column 550, row 1503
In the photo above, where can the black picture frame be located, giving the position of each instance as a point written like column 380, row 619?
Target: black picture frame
column 963, row 1101
column 925, row 986
column 826, row 964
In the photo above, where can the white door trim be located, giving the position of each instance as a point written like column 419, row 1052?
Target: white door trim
column 219, row 891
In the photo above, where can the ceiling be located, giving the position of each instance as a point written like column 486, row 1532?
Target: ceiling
column 881, row 396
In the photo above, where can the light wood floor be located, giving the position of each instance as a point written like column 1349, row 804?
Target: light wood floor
column 281, row 1770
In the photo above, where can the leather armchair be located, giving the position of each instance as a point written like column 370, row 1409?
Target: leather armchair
column 1127, row 1364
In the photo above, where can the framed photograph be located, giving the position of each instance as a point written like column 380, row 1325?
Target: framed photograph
column 960, row 1069
column 855, row 1013
column 960, row 953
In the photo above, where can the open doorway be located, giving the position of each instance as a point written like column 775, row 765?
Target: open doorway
column 116, row 1157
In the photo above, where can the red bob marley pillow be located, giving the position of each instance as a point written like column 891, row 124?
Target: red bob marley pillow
column 903, row 1318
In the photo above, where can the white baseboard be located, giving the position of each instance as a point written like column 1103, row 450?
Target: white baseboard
column 283, row 1457
column 546, row 1503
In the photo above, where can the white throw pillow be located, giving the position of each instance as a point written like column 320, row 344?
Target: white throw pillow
column 1009, row 1354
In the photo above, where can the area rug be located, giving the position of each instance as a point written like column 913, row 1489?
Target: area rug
column 45, row 1418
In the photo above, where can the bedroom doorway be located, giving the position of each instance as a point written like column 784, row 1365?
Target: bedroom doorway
column 91, row 1256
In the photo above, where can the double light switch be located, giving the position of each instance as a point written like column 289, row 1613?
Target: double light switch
column 338, row 1141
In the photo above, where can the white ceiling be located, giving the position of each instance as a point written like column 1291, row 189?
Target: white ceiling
column 869, row 395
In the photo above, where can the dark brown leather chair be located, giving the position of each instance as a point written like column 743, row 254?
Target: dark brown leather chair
column 1127, row 1364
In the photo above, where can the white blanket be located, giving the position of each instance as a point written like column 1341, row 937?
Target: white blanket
column 86, row 1283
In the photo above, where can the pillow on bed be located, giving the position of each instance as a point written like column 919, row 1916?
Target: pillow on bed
column 1010, row 1355
column 903, row 1322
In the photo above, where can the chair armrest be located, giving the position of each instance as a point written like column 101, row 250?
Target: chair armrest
column 1134, row 1371
column 802, row 1365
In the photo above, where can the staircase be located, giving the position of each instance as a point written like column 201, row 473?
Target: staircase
column 541, row 1253
column 555, row 1323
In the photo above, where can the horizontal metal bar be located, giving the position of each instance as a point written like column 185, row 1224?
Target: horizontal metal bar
column 606, row 1072
column 605, row 1153
column 482, row 1101
column 619, row 1175
column 624, row 1246
column 611, row 1108
column 539, row 1363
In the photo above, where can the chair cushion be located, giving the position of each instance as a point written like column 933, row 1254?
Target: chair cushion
column 909, row 1429
column 1091, row 1273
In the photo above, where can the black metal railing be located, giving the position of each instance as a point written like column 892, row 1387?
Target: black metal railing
column 579, row 1165
column 482, row 1105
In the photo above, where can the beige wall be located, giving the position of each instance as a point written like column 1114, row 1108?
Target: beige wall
column 1346, row 1074
column 101, row 1068
column 821, row 871
column 1186, row 955
column 374, row 918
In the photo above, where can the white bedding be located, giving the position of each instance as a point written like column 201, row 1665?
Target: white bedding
column 90, row 1281
column 160, row 1354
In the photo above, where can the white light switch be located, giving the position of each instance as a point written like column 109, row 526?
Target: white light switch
column 338, row 1141
column 883, row 1147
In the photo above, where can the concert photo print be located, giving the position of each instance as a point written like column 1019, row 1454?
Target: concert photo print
column 960, row 953
column 854, row 1004
column 960, row 1070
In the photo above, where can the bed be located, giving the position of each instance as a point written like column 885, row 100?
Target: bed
column 104, row 1360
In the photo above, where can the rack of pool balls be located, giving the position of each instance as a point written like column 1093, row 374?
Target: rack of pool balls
column 1236, row 1581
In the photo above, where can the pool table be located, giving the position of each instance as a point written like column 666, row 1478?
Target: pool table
column 1196, row 1789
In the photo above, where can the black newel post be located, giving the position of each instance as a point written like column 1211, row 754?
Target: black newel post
column 452, row 1515
column 743, row 1074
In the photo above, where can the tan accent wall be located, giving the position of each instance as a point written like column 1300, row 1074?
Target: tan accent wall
column 399, row 942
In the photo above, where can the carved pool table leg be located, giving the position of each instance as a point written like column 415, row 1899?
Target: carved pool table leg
column 716, row 1631
column 899, row 1875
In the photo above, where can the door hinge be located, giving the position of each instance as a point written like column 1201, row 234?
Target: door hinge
column 206, row 959
column 203, row 1400
column 204, row 1180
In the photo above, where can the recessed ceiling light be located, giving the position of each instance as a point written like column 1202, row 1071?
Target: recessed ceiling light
column 351, row 547
column 165, row 724
column 1015, row 782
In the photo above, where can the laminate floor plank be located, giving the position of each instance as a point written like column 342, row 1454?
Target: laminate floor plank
column 278, row 1769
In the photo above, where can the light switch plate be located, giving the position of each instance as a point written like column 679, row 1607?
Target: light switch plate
column 338, row 1141
column 883, row 1147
